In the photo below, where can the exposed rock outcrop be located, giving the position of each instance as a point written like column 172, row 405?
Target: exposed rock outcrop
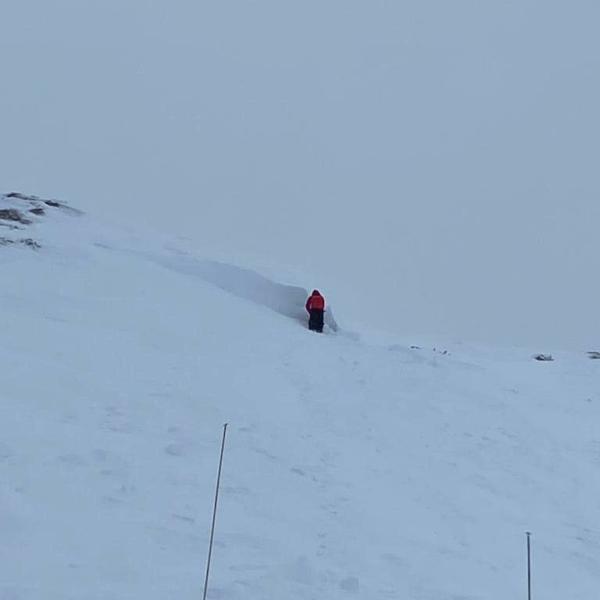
column 20, row 211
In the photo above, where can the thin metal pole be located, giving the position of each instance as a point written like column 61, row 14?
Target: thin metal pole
column 528, row 564
column 214, row 517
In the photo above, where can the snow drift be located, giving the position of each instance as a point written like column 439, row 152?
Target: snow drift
column 286, row 300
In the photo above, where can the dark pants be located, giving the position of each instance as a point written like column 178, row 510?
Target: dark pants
column 315, row 321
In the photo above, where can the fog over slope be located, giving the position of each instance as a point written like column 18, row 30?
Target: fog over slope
column 434, row 159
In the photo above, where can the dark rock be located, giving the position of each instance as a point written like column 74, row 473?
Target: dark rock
column 35, row 200
column 543, row 357
column 30, row 243
column 38, row 211
column 12, row 214
column 594, row 355
column 20, row 196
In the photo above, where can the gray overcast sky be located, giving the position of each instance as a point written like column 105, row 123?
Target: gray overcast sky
column 434, row 160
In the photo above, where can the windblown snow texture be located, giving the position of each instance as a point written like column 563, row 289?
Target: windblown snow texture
column 355, row 467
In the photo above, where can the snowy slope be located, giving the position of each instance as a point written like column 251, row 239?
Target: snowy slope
column 355, row 467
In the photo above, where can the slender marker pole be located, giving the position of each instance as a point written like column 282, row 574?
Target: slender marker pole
column 214, row 518
column 528, row 534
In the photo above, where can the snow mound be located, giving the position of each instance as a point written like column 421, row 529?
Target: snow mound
column 286, row 300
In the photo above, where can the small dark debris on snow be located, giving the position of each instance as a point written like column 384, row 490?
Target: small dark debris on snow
column 442, row 352
column 543, row 357
column 594, row 355
column 436, row 350
column 37, row 211
column 52, row 203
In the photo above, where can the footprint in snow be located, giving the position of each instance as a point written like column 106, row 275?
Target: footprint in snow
column 73, row 460
column 184, row 518
column 350, row 584
column 5, row 452
column 236, row 490
column 301, row 571
column 174, row 450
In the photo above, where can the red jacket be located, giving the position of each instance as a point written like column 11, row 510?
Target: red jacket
column 315, row 302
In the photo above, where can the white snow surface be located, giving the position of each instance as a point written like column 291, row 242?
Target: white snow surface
column 355, row 466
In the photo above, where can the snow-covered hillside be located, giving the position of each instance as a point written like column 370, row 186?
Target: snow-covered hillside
column 354, row 467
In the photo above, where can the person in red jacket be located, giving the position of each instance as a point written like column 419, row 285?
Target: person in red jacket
column 315, row 305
